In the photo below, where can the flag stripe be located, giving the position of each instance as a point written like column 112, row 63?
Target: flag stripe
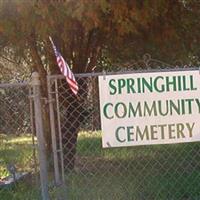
column 73, row 86
column 65, row 70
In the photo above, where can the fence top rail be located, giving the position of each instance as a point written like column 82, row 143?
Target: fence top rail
column 7, row 85
column 94, row 74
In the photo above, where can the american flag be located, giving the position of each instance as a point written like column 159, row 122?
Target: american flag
column 65, row 70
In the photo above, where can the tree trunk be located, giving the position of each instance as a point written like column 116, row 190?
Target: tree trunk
column 72, row 119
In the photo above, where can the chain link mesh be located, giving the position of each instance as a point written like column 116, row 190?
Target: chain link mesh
column 17, row 144
column 157, row 172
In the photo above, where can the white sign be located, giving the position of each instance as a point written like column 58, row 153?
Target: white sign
column 150, row 108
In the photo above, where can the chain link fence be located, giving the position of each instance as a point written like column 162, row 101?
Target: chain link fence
column 82, row 168
column 157, row 172
column 18, row 163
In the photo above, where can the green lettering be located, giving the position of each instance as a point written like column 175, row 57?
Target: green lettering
column 105, row 111
column 162, row 127
column 189, row 101
column 171, row 83
column 160, row 108
column 117, row 134
column 130, row 84
column 162, row 88
column 147, row 85
column 198, row 103
column 185, row 84
column 130, row 133
column 179, row 130
column 171, row 131
column 149, row 110
column 120, row 113
column 141, row 135
column 179, row 83
column 113, row 89
column 153, row 132
column 133, row 112
column 174, row 107
column 121, row 84
column 192, row 87
column 190, row 128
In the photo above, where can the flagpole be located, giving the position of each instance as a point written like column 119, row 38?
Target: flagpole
column 51, row 40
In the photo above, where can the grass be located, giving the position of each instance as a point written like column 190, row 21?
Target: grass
column 157, row 172
column 22, row 191
column 17, row 150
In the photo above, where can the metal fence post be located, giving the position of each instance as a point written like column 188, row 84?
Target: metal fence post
column 53, row 133
column 40, row 135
